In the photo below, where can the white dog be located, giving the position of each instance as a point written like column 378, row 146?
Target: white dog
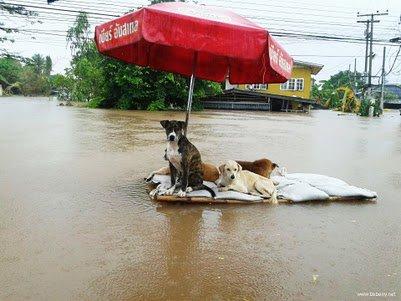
column 232, row 177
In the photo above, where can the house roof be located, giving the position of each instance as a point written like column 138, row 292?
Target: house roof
column 315, row 68
column 392, row 88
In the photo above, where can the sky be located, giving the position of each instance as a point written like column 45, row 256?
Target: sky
column 328, row 18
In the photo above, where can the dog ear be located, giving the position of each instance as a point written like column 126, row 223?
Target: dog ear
column 221, row 168
column 164, row 123
column 239, row 167
column 182, row 124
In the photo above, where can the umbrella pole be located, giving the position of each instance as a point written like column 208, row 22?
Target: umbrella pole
column 189, row 104
column 190, row 94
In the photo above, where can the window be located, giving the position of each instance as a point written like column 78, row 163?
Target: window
column 257, row 87
column 284, row 86
column 293, row 84
column 299, row 84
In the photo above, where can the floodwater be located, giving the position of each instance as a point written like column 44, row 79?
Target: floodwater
column 76, row 223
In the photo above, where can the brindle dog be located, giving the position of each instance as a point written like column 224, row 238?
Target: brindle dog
column 184, row 160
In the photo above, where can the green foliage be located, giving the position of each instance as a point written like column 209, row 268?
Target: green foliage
column 63, row 85
column 388, row 95
column 95, row 103
column 157, row 105
column 364, row 111
column 33, row 83
column 337, row 92
column 89, row 80
column 14, row 88
column 78, row 34
column 37, row 63
column 197, row 105
column 324, row 92
column 48, row 66
column 10, row 70
column 368, row 103
column 29, row 79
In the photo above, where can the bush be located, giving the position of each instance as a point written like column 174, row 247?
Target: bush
column 157, row 105
column 197, row 105
column 364, row 110
column 96, row 102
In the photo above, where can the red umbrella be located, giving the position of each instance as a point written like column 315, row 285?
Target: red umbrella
column 198, row 41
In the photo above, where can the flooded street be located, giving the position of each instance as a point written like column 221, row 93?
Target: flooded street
column 77, row 224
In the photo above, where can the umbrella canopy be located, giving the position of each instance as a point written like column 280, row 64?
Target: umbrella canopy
column 198, row 41
column 166, row 37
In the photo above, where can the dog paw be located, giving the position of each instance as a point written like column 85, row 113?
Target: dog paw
column 149, row 177
column 153, row 193
column 170, row 191
column 274, row 201
column 181, row 193
column 189, row 189
column 223, row 189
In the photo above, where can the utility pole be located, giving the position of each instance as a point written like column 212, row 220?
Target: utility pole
column 367, row 46
column 383, row 79
column 369, row 42
column 355, row 85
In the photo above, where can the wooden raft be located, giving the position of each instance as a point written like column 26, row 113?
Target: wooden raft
column 209, row 200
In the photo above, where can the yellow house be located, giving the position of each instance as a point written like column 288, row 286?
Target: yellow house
column 299, row 85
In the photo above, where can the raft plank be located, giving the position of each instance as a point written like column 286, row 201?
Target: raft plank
column 205, row 200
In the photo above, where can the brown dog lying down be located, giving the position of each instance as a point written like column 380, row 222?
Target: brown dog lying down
column 210, row 172
column 262, row 167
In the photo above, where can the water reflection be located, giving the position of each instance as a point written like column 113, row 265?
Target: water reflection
column 76, row 222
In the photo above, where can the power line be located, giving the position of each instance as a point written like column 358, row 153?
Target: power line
column 75, row 7
column 256, row 17
column 61, row 9
column 395, row 59
column 287, row 11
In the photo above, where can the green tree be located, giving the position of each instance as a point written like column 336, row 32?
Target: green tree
column 10, row 70
column 33, row 84
column 34, row 76
column 37, row 62
column 78, row 35
column 63, row 84
column 48, row 66
column 325, row 91
column 86, row 71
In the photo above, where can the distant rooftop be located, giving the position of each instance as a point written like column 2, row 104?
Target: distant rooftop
column 392, row 88
column 315, row 68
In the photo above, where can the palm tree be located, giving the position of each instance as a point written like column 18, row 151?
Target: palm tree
column 48, row 66
column 38, row 63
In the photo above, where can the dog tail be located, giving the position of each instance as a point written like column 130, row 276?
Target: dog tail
column 211, row 191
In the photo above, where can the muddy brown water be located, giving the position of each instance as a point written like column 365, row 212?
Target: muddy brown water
column 76, row 223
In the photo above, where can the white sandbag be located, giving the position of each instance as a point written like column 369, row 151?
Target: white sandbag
column 234, row 195
column 332, row 186
column 301, row 192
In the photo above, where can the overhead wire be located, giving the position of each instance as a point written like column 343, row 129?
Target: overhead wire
column 70, row 13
